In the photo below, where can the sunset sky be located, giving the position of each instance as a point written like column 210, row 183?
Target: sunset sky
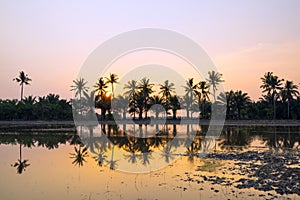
column 50, row 40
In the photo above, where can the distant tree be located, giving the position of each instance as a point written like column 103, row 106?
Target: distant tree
column 214, row 79
column 131, row 88
column 190, row 90
column 22, row 79
column 145, row 88
column 204, row 92
column 113, row 78
column 175, row 105
column 288, row 92
column 100, row 98
column 272, row 85
column 166, row 89
column 241, row 101
column 156, row 100
column 80, row 89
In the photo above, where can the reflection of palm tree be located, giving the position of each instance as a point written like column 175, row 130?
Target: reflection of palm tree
column 79, row 156
column 113, row 78
column 214, row 79
column 145, row 158
column 22, row 79
column 21, row 165
column 132, row 157
column 100, row 157
column 235, row 137
column 112, row 162
column 168, row 153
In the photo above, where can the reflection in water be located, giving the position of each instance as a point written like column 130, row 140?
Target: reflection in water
column 21, row 165
column 111, row 145
column 79, row 156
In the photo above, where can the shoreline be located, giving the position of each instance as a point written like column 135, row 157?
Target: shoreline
column 163, row 121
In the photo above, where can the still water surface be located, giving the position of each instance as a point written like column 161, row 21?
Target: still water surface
column 51, row 162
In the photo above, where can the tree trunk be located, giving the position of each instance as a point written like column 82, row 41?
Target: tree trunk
column 274, row 109
column 140, row 114
column 288, row 108
column 20, row 152
column 174, row 113
column 22, row 87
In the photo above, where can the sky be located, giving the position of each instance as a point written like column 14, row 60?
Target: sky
column 50, row 40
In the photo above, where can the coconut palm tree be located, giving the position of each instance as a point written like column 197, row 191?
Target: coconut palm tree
column 272, row 85
column 22, row 79
column 214, row 79
column 204, row 91
column 113, row 78
column 226, row 98
column 190, row 90
column 289, row 91
column 174, row 105
column 131, row 88
column 80, row 89
column 100, row 86
column 146, row 90
column 241, row 100
column 166, row 89
column 156, row 100
column 21, row 165
column 120, row 105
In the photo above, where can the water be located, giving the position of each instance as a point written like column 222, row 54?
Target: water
column 54, row 170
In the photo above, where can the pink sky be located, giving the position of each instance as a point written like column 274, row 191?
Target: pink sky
column 50, row 40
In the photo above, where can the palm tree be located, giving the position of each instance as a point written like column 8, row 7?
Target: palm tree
column 22, row 79
column 120, row 104
column 100, row 86
column 21, row 165
column 156, row 100
column 132, row 89
column 166, row 89
column 214, row 79
column 113, row 78
column 80, row 89
column 288, row 92
column 271, row 84
column 146, row 89
column 190, row 90
column 89, row 104
column 241, row 100
column 226, row 98
column 175, row 105
column 204, row 90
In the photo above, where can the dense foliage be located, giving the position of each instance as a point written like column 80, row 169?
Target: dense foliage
column 50, row 107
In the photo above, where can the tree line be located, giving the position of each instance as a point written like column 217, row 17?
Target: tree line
column 280, row 100
column 49, row 107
